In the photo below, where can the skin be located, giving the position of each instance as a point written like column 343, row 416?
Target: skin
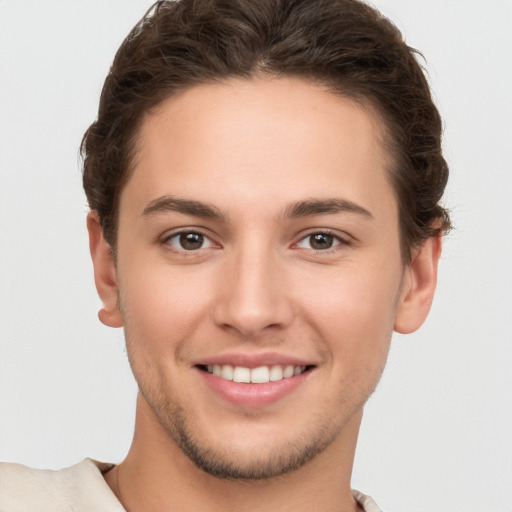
column 252, row 151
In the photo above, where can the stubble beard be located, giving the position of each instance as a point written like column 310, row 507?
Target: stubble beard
column 229, row 464
column 225, row 463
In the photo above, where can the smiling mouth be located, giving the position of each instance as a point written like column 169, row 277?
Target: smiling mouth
column 259, row 375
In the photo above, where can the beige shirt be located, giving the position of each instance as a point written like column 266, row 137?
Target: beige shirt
column 80, row 488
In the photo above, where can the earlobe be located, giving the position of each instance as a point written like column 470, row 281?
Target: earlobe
column 418, row 287
column 105, row 274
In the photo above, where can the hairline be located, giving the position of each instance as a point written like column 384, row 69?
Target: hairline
column 382, row 133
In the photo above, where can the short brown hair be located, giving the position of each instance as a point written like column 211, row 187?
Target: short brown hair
column 344, row 45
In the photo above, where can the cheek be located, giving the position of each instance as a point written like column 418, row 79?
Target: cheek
column 355, row 315
column 162, row 307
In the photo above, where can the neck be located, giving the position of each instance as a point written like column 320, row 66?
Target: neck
column 156, row 475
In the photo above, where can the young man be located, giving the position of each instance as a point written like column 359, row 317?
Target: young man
column 264, row 181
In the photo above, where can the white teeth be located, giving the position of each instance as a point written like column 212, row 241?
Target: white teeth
column 288, row 372
column 241, row 374
column 227, row 372
column 276, row 373
column 259, row 375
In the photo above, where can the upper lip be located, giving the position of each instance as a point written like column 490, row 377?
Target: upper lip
column 253, row 360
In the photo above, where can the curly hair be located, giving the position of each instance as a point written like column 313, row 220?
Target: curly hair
column 345, row 45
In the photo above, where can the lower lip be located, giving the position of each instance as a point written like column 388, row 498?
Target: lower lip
column 253, row 395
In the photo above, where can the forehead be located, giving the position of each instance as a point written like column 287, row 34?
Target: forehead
column 273, row 139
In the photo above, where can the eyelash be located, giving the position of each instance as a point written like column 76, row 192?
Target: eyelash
column 185, row 232
column 336, row 239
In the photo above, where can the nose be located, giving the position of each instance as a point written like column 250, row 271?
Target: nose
column 252, row 297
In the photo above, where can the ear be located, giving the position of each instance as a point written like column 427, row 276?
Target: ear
column 418, row 286
column 105, row 274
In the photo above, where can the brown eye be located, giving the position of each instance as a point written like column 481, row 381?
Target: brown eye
column 320, row 241
column 189, row 241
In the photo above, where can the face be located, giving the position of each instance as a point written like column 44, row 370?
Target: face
column 258, row 271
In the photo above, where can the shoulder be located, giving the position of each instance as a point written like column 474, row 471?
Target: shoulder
column 365, row 502
column 79, row 487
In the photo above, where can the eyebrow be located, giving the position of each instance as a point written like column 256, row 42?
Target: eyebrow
column 306, row 208
column 186, row 206
column 311, row 207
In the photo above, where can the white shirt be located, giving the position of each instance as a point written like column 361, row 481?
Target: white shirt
column 79, row 488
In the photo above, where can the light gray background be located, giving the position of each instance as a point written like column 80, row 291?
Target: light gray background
column 437, row 434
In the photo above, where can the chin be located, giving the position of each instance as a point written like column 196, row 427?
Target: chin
column 260, row 454
column 245, row 462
